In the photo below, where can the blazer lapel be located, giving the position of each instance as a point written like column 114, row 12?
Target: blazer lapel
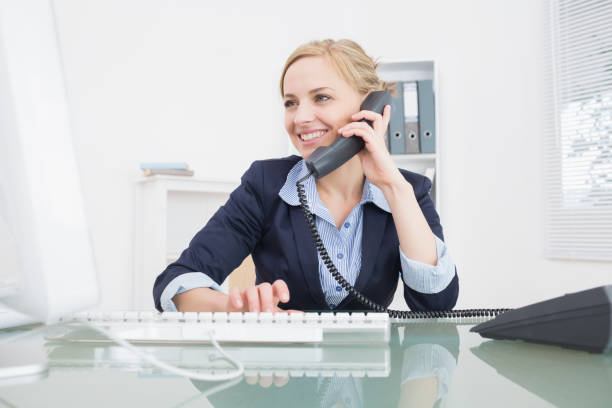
column 307, row 255
column 374, row 222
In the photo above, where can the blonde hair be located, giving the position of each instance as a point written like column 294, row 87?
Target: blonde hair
column 349, row 59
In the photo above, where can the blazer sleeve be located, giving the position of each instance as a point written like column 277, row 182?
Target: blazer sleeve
column 447, row 297
column 228, row 237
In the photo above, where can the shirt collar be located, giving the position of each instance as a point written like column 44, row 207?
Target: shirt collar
column 288, row 193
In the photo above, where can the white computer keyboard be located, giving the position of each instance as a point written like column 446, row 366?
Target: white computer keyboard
column 191, row 327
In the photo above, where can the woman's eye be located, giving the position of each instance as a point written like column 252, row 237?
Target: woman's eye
column 321, row 98
column 289, row 104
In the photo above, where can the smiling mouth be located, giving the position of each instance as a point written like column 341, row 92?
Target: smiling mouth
column 312, row 135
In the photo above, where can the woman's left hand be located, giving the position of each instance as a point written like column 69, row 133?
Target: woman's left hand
column 378, row 166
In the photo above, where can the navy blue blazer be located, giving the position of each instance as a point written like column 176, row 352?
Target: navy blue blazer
column 255, row 220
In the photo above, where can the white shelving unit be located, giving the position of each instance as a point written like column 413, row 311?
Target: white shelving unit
column 169, row 211
column 407, row 71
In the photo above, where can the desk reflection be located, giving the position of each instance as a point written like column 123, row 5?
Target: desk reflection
column 565, row 378
column 423, row 358
column 414, row 370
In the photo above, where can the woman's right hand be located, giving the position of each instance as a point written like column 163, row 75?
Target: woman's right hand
column 260, row 298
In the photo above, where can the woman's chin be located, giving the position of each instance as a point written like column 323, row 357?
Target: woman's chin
column 305, row 153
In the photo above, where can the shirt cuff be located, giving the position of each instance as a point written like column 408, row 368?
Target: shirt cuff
column 183, row 283
column 429, row 360
column 426, row 278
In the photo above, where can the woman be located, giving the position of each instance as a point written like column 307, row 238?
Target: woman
column 374, row 219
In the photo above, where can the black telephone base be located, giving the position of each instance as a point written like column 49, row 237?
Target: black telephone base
column 581, row 320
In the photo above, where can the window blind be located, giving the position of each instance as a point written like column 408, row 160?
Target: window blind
column 578, row 139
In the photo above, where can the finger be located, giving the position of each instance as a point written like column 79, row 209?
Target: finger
column 354, row 125
column 367, row 133
column 281, row 381
column 235, row 298
column 252, row 295
column 373, row 117
column 349, row 130
column 265, row 381
column 265, row 297
column 281, row 290
column 251, row 379
column 386, row 116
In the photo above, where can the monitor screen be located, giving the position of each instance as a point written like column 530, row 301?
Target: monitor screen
column 47, row 267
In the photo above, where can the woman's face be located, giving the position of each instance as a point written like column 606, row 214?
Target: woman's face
column 317, row 103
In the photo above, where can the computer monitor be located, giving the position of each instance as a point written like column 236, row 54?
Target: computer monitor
column 46, row 258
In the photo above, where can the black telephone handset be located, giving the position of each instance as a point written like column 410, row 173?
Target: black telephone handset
column 326, row 159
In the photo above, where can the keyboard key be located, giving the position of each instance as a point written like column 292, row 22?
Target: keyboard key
column 205, row 317
column 358, row 317
column 147, row 316
column 130, row 316
column 311, row 318
column 343, row 318
column 297, row 318
column 265, row 317
column 171, row 316
column 190, row 317
column 251, row 317
column 220, row 317
column 328, row 318
column 379, row 317
column 235, row 317
column 281, row 317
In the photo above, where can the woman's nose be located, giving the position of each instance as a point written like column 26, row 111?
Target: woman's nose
column 303, row 114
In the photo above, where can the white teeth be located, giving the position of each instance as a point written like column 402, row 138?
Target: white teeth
column 313, row 135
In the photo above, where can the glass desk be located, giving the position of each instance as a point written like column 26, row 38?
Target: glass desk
column 427, row 364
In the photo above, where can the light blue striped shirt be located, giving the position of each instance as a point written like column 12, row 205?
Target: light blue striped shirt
column 343, row 246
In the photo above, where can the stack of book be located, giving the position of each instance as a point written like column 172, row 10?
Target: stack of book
column 170, row 169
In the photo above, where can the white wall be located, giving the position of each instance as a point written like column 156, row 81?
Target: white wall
column 191, row 80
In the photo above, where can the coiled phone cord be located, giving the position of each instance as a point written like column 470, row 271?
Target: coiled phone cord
column 399, row 314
